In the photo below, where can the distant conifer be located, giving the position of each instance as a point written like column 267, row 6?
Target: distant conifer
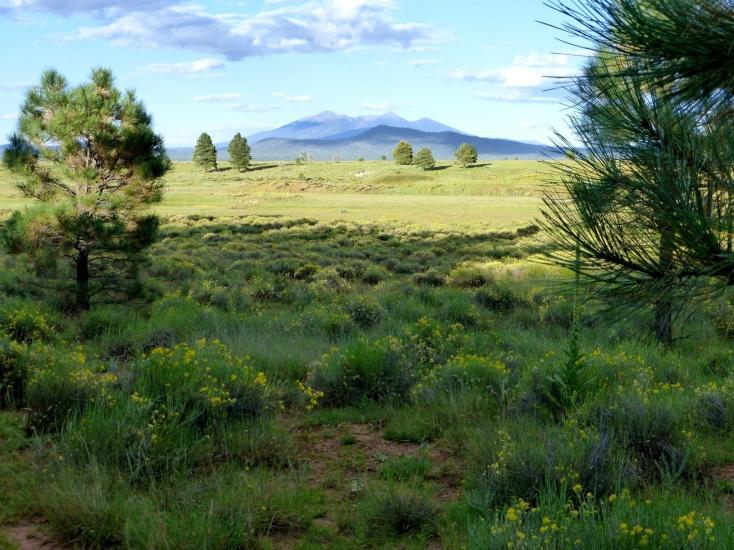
column 403, row 153
column 239, row 153
column 425, row 159
column 205, row 153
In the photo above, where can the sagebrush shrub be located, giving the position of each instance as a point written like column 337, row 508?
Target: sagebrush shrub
column 365, row 369
column 463, row 373
column 365, row 311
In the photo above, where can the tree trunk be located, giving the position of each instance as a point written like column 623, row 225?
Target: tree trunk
column 664, row 321
column 664, row 306
column 82, row 281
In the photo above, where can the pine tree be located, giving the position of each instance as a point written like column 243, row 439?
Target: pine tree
column 239, row 153
column 646, row 197
column 205, row 153
column 403, row 153
column 466, row 154
column 90, row 159
column 425, row 159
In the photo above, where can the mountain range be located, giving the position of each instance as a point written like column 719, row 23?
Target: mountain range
column 330, row 136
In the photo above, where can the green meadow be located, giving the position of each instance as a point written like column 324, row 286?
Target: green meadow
column 357, row 355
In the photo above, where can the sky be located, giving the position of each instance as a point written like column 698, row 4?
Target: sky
column 226, row 66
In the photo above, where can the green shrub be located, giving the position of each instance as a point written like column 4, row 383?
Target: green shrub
column 651, row 429
column 306, row 272
column 327, row 320
column 205, row 379
column 373, row 275
column 468, row 276
column 462, row 373
column 104, row 320
column 13, row 373
column 24, row 322
column 528, row 457
column 428, row 343
column 365, row 369
column 432, row 277
column 365, row 311
column 62, row 383
column 497, row 297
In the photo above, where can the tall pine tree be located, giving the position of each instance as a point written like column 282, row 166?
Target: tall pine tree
column 647, row 200
column 89, row 157
column 239, row 153
column 205, row 153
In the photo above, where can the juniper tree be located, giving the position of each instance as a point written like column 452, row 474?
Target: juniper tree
column 205, row 153
column 239, row 153
column 466, row 154
column 89, row 157
column 647, row 193
column 424, row 159
column 403, row 153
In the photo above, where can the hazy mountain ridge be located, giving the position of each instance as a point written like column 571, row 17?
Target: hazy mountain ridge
column 329, row 125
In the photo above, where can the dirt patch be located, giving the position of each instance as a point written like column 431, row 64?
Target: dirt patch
column 723, row 473
column 28, row 536
column 326, row 454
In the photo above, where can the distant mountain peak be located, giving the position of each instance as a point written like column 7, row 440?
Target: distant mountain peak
column 330, row 125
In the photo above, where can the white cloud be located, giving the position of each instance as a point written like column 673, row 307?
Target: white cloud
column 218, row 98
column 230, row 101
column 519, row 95
column 14, row 86
column 311, row 26
column 8, row 116
column 197, row 67
column 381, row 106
column 532, row 78
column 293, row 98
column 423, row 62
column 65, row 7
column 527, row 71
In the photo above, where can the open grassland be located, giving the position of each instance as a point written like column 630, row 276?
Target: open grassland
column 498, row 195
column 334, row 360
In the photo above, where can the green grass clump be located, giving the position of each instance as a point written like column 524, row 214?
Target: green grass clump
column 365, row 369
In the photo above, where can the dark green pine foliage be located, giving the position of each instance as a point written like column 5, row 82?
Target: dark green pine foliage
column 205, row 153
column 239, row 153
column 424, row 159
column 686, row 46
column 89, row 157
column 403, row 153
column 466, row 155
column 647, row 196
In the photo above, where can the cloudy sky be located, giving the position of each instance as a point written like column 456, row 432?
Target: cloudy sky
column 224, row 66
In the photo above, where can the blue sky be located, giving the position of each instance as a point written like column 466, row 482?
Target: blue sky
column 224, row 66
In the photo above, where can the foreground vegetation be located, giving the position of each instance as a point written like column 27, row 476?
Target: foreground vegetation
column 294, row 381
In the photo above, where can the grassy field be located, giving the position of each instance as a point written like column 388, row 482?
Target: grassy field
column 503, row 194
column 357, row 355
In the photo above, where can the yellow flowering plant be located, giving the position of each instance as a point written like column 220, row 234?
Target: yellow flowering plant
column 205, row 378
